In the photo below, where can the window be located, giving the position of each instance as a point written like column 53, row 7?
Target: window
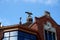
column 49, row 31
column 6, row 34
column 10, row 35
column 19, row 35
column 13, row 38
column 6, row 39
column 13, row 33
column 26, row 36
column 50, row 35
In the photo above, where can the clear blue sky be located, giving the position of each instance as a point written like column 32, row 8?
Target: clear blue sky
column 12, row 10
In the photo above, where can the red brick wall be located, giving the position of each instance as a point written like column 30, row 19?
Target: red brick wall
column 40, row 22
column 58, row 33
column 1, row 34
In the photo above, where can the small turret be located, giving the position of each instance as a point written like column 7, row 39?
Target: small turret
column 29, row 18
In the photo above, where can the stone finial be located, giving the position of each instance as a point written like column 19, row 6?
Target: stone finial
column 0, row 24
column 47, row 13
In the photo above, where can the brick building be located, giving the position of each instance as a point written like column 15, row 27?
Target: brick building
column 43, row 28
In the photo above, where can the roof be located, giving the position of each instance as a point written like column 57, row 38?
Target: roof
column 34, row 28
column 37, row 20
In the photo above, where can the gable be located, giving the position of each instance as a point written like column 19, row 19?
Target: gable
column 44, row 21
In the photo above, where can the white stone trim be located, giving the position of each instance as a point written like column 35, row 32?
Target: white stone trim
column 49, row 27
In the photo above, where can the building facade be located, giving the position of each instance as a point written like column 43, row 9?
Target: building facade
column 43, row 28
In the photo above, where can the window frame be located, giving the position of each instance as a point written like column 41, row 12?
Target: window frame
column 18, row 34
column 50, row 31
column 26, row 35
column 49, row 28
column 10, row 34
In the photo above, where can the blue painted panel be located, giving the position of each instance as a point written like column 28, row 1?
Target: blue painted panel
column 26, row 36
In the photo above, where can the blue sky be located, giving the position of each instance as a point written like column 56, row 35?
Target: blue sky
column 12, row 10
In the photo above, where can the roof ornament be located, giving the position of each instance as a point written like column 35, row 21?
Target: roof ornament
column 29, row 14
column 47, row 13
column 29, row 19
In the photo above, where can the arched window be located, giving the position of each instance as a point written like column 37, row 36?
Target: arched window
column 49, row 32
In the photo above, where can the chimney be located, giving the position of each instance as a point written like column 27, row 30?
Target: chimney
column 47, row 13
column 0, row 24
column 29, row 18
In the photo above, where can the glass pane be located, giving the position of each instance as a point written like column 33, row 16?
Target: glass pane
column 13, row 33
column 50, row 35
column 46, row 35
column 53, row 36
column 23, row 35
column 6, row 34
column 20, row 38
column 6, row 39
column 13, row 38
column 26, row 39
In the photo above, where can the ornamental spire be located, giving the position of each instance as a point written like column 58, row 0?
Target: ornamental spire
column 20, row 20
column 29, row 18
